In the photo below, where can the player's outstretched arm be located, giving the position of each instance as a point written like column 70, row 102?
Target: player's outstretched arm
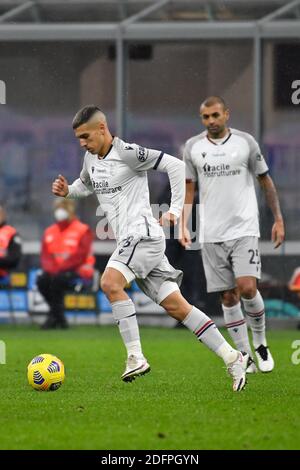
column 278, row 231
column 79, row 189
column 60, row 186
column 76, row 190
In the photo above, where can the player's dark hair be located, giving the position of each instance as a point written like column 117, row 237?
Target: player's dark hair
column 212, row 100
column 84, row 115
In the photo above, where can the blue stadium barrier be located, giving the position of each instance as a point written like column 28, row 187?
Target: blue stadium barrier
column 280, row 309
column 14, row 299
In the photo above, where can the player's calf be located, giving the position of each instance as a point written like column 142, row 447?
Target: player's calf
column 206, row 332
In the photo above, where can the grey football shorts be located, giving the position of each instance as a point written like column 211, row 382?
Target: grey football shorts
column 225, row 261
column 144, row 259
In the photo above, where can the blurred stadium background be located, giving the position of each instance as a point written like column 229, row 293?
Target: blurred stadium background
column 148, row 64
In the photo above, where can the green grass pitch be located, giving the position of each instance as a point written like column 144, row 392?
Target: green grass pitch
column 186, row 402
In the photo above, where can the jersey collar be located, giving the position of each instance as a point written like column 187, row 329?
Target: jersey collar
column 108, row 151
column 222, row 143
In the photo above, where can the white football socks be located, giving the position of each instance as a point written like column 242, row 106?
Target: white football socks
column 237, row 327
column 206, row 332
column 125, row 316
column 255, row 310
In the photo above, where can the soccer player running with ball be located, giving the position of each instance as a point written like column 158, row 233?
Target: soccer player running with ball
column 225, row 161
column 117, row 172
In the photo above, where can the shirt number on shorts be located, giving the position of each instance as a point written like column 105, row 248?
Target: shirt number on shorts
column 127, row 242
column 254, row 258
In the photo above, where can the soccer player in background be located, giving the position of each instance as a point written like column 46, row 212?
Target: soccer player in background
column 117, row 172
column 224, row 162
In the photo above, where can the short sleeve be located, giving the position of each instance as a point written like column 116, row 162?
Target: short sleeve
column 191, row 171
column 257, row 163
column 140, row 158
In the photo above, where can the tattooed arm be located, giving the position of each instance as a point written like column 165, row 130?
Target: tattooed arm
column 267, row 185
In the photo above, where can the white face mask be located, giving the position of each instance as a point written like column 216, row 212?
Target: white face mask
column 60, row 214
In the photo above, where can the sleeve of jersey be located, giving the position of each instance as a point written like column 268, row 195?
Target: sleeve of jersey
column 191, row 173
column 257, row 162
column 175, row 169
column 141, row 158
column 82, row 187
column 78, row 190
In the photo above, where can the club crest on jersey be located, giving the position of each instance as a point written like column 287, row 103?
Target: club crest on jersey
column 142, row 154
column 203, row 154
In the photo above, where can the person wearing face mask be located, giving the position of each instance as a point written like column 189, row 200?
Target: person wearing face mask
column 66, row 255
column 10, row 247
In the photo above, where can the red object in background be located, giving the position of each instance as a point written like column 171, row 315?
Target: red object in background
column 294, row 283
column 7, row 232
column 67, row 246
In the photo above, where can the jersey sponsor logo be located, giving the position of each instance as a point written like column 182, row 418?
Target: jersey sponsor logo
column 109, row 190
column 100, row 184
column 219, row 170
column 142, row 154
column 222, row 167
column 102, row 187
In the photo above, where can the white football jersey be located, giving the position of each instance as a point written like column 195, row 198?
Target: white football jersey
column 225, row 173
column 120, row 182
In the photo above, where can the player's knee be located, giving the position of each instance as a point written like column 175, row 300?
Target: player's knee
column 248, row 290
column 110, row 286
column 230, row 298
